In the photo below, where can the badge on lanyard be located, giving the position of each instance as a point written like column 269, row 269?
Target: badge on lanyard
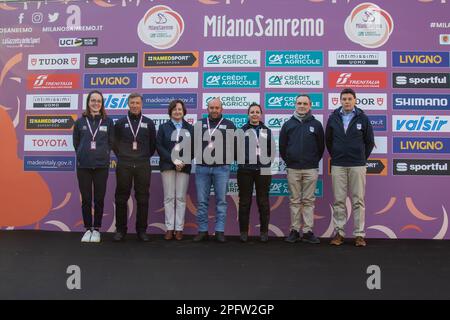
column 93, row 134
column 134, row 145
column 93, row 145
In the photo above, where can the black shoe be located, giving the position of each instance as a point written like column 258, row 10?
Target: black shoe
column 119, row 237
column 293, row 237
column 142, row 236
column 201, row 236
column 220, row 237
column 244, row 237
column 264, row 237
column 309, row 237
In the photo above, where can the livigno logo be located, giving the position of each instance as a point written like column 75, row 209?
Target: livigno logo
column 369, row 25
column 161, row 27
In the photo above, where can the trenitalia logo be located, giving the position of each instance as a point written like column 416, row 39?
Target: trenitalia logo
column 420, row 59
column 421, row 80
column 53, row 61
column 170, row 80
column 357, row 80
column 294, row 59
column 53, row 81
column 357, row 59
column 379, row 122
column 48, row 143
column 421, row 102
column 421, row 145
column 48, row 163
column 110, row 81
column 294, row 80
column 232, row 59
column 231, row 80
column 162, row 100
column 49, row 122
column 111, row 60
column 417, row 123
column 170, row 59
column 421, row 167
column 286, row 101
column 52, row 102
column 232, row 101
column 365, row 101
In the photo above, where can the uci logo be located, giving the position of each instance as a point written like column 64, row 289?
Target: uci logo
column 276, row 59
column 213, row 80
column 275, row 80
column 275, row 101
column 213, row 59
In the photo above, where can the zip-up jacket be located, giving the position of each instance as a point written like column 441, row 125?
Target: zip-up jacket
column 165, row 145
column 264, row 135
column 353, row 147
column 123, row 140
column 104, row 139
column 302, row 143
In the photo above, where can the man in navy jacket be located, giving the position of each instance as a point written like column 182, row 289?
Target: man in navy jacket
column 301, row 147
column 135, row 143
column 349, row 140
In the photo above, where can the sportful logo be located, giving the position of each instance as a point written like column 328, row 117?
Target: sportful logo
column 365, row 101
column 53, row 81
column 421, row 102
column 52, row 102
column 232, row 59
column 232, row 101
column 294, row 59
column 357, row 80
column 111, row 60
column 286, row 101
column 417, row 123
column 231, row 79
column 421, row 80
column 421, row 167
column 161, row 27
column 111, row 80
column 53, row 61
column 420, row 59
column 357, row 59
column 294, row 80
column 421, row 145
column 170, row 80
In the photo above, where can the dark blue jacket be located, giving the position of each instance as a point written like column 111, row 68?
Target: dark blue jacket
column 351, row 148
column 100, row 157
column 198, row 139
column 302, row 143
column 264, row 141
column 123, row 140
column 165, row 145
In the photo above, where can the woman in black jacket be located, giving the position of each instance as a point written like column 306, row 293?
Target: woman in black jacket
column 255, row 171
column 174, row 172
column 93, row 136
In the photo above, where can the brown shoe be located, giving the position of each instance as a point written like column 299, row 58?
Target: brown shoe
column 169, row 235
column 337, row 240
column 179, row 235
column 360, row 242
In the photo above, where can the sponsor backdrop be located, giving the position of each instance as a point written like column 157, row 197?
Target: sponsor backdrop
column 53, row 53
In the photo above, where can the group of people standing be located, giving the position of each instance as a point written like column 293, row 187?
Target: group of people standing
column 133, row 138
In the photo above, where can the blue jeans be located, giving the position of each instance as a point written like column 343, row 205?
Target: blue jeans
column 205, row 177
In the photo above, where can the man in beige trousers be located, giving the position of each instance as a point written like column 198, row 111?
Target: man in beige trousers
column 350, row 140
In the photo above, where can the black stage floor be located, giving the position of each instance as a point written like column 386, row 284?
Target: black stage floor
column 33, row 265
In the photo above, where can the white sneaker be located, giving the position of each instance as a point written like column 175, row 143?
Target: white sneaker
column 87, row 236
column 95, row 236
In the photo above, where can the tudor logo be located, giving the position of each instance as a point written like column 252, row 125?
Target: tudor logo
column 53, row 61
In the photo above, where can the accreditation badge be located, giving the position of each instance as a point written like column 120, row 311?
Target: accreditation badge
column 93, row 145
column 134, row 145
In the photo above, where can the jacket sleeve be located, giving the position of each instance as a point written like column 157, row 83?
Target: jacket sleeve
column 164, row 153
column 320, row 140
column 152, row 136
column 283, row 143
column 369, row 139
column 76, row 136
column 329, row 137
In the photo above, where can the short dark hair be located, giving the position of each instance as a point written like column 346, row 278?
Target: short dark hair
column 173, row 104
column 87, row 111
column 254, row 104
column 304, row 95
column 346, row 91
column 135, row 95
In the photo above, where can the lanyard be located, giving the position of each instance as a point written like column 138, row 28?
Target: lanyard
column 209, row 128
column 90, row 129
column 131, row 127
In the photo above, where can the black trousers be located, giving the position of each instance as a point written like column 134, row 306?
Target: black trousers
column 126, row 176
column 246, row 180
column 97, row 178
